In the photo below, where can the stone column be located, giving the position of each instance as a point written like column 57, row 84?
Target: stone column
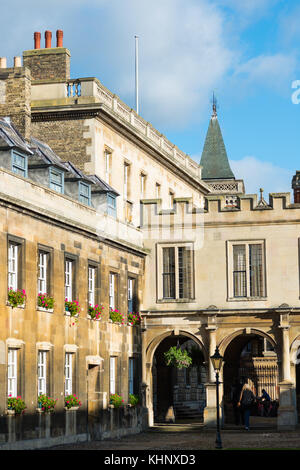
column 287, row 418
column 285, row 368
column 210, row 412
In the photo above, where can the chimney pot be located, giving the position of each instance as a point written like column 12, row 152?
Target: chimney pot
column 48, row 36
column 2, row 62
column 37, row 40
column 59, row 38
column 17, row 62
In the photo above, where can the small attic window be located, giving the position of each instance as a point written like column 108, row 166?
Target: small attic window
column 111, row 205
column 84, row 193
column 19, row 164
column 57, row 180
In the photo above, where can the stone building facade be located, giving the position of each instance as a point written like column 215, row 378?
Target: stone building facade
column 99, row 196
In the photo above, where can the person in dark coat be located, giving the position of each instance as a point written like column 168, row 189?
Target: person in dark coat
column 246, row 402
column 235, row 397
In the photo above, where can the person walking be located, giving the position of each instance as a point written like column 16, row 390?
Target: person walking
column 247, row 399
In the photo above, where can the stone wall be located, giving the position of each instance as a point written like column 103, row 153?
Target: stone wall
column 15, row 97
column 48, row 64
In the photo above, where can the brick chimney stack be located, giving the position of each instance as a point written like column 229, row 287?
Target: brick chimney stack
column 48, row 37
column 50, row 63
column 37, row 40
column 59, row 38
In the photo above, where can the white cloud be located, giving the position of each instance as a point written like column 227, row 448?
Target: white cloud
column 259, row 174
column 271, row 71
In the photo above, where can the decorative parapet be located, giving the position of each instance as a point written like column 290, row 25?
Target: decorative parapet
column 91, row 91
column 249, row 202
column 183, row 223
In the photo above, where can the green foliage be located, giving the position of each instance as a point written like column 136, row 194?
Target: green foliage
column 16, row 403
column 116, row 316
column 45, row 301
column 133, row 399
column 46, row 403
column 116, row 400
column 95, row 312
column 72, row 307
column 16, row 297
column 177, row 358
column 72, row 400
column 134, row 318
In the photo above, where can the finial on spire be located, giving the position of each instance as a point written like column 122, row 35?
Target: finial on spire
column 214, row 105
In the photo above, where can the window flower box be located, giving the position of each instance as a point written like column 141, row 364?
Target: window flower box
column 116, row 317
column 46, row 404
column 133, row 319
column 134, row 400
column 115, row 400
column 72, row 308
column 95, row 312
column 45, row 302
column 15, row 405
column 16, row 298
column 72, row 402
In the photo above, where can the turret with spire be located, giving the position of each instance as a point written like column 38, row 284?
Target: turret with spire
column 216, row 169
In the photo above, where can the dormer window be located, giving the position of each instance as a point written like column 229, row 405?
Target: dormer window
column 85, row 193
column 57, row 180
column 111, row 205
column 19, row 164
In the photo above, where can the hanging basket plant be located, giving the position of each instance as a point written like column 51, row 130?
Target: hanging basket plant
column 177, row 358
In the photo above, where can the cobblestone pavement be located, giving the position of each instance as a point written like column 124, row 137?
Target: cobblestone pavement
column 176, row 438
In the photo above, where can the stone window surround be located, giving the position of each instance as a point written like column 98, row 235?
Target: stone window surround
column 229, row 253
column 49, row 252
column 96, row 265
column 21, row 259
column 159, row 270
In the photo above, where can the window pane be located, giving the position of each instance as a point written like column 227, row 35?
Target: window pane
column 169, row 273
column 239, row 271
column 185, row 272
column 256, row 271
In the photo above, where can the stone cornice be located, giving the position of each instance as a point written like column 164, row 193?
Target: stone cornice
column 100, row 111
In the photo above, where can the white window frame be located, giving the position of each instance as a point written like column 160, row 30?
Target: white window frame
column 246, row 243
column 68, row 373
column 12, row 372
column 107, row 156
column 68, row 280
column 13, row 265
column 42, row 278
column 130, row 292
column 112, row 374
column 42, row 372
column 112, row 300
column 91, row 285
column 160, row 294
column 126, row 172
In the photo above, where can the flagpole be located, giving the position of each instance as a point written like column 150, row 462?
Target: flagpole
column 136, row 74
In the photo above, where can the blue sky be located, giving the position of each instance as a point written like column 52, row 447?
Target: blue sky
column 243, row 50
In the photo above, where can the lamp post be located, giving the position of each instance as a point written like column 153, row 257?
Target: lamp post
column 217, row 361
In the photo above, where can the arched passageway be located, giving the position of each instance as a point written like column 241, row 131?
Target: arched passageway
column 250, row 358
column 178, row 394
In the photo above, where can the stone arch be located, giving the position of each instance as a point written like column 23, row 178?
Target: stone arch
column 224, row 343
column 155, row 342
column 150, row 350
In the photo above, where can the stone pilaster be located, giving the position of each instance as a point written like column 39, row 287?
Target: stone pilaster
column 287, row 418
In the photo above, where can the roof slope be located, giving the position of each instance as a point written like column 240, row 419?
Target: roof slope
column 214, row 158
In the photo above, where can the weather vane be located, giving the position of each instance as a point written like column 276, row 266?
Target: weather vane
column 214, row 104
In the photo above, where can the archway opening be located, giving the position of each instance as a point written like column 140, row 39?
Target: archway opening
column 250, row 358
column 178, row 394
